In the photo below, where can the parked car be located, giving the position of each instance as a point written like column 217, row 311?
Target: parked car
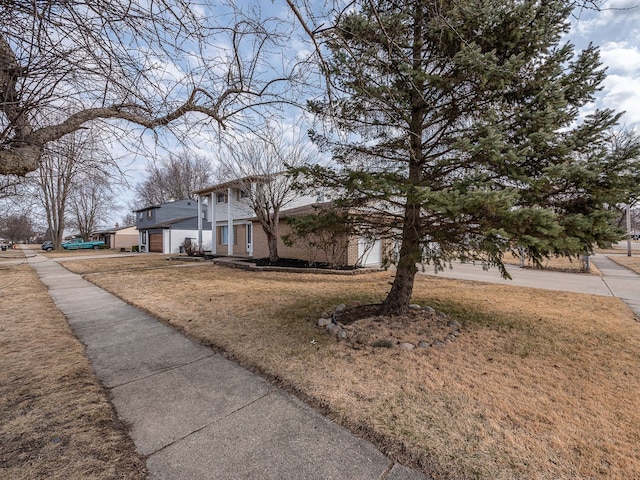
column 47, row 246
column 78, row 243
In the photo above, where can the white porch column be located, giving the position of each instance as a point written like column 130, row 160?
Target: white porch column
column 229, row 224
column 214, row 220
column 200, row 222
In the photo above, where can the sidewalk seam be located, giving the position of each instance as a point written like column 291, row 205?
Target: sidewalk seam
column 155, row 374
column 217, row 420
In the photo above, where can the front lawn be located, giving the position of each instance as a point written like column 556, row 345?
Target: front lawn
column 539, row 384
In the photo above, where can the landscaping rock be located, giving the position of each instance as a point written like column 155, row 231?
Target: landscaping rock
column 333, row 329
column 454, row 324
column 323, row 322
column 350, row 331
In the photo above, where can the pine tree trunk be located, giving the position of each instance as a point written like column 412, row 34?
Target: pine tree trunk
column 398, row 299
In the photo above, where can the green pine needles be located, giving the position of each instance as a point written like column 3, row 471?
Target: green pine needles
column 457, row 133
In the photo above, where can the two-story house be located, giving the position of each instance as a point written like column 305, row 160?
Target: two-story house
column 164, row 228
column 229, row 207
column 235, row 229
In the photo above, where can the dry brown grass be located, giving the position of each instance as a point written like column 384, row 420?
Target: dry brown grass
column 540, row 384
column 56, row 419
column 62, row 253
column 118, row 264
column 632, row 263
column 563, row 264
column 621, row 247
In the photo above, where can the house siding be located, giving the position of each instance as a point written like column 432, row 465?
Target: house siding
column 156, row 214
column 343, row 255
column 232, row 210
column 239, row 240
column 178, row 236
column 125, row 238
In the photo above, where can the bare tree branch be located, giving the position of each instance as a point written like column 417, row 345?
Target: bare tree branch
column 257, row 165
column 145, row 63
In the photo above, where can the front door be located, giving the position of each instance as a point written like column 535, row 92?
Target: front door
column 249, row 239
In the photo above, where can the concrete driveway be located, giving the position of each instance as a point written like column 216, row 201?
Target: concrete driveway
column 616, row 280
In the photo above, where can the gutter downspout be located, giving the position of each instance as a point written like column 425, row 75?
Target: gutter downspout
column 229, row 224
column 200, row 223
column 214, row 221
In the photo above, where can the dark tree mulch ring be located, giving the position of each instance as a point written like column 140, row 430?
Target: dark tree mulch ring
column 353, row 314
column 297, row 263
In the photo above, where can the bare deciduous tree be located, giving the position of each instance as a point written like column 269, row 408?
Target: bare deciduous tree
column 128, row 220
column 177, row 177
column 68, row 165
column 16, row 227
column 91, row 204
column 65, row 64
column 258, row 166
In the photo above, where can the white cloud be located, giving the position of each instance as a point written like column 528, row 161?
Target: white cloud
column 608, row 21
column 620, row 56
column 616, row 29
column 622, row 93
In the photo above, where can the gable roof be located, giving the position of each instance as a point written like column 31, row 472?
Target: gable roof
column 112, row 230
column 303, row 210
column 238, row 182
column 185, row 202
column 184, row 223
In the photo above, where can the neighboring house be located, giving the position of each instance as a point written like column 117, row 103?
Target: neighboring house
column 235, row 231
column 164, row 228
column 118, row 237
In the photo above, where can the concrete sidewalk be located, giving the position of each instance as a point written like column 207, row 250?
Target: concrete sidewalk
column 527, row 277
column 621, row 281
column 197, row 415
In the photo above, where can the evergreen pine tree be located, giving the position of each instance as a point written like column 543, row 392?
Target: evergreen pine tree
column 460, row 134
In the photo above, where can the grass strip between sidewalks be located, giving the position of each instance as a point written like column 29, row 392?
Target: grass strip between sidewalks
column 57, row 422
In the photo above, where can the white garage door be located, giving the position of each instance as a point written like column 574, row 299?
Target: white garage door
column 370, row 252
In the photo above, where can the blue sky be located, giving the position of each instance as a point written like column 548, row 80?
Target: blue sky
column 616, row 30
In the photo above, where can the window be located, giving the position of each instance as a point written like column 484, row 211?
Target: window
column 221, row 198
column 140, row 215
column 149, row 214
column 244, row 194
column 223, row 235
column 322, row 196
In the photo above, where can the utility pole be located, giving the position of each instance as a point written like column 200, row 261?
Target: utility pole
column 628, row 230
